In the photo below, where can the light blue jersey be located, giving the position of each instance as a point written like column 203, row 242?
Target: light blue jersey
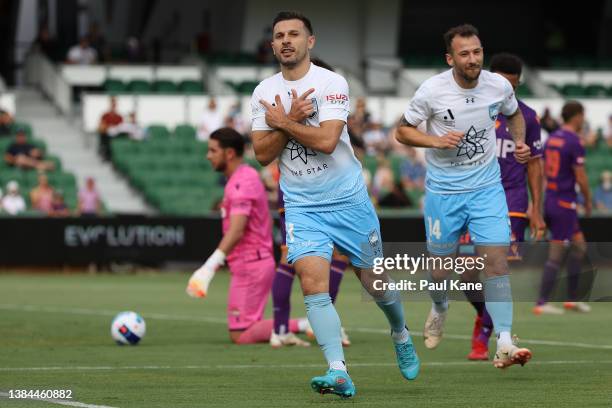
column 445, row 107
column 311, row 180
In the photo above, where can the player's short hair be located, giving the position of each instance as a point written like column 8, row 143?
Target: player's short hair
column 293, row 15
column 506, row 63
column 571, row 109
column 320, row 63
column 229, row 138
column 463, row 30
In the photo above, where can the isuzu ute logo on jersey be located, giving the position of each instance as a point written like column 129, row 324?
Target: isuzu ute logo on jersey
column 337, row 98
column 472, row 143
column 298, row 151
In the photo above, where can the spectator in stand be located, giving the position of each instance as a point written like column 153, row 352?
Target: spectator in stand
column 396, row 198
column 383, row 180
column 588, row 136
column 41, row 196
column 46, row 45
column 359, row 121
column 131, row 129
column 58, row 206
column 608, row 135
column 108, row 120
column 412, row 171
column 82, row 53
column 89, row 204
column 375, row 138
column 6, row 123
column 549, row 124
column 603, row 193
column 211, row 120
column 236, row 121
column 13, row 203
column 264, row 49
column 23, row 155
column 98, row 42
column 133, row 52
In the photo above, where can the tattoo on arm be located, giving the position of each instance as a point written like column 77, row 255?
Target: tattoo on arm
column 404, row 122
column 516, row 125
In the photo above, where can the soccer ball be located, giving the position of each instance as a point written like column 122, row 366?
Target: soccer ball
column 128, row 328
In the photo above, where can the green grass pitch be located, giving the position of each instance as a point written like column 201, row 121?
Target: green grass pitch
column 54, row 334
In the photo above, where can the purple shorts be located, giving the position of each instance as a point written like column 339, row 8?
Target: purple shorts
column 561, row 219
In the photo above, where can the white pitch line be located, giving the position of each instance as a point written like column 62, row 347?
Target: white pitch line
column 279, row 366
column 523, row 341
column 216, row 320
column 59, row 402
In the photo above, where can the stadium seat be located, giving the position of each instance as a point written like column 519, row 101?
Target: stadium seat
column 191, row 87
column 247, row 87
column 596, row 90
column 165, row 87
column 158, row 132
column 114, row 86
column 572, row 90
column 139, row 86
column 185, row 132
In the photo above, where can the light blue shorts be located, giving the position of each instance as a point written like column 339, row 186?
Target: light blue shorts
column 484, row 213
column 354, row 231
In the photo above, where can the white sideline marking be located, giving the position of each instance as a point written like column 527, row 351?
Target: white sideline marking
column 58, row 401
column 269, row 366
column 208, row 319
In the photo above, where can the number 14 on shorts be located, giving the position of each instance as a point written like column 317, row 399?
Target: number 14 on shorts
column 434, row 228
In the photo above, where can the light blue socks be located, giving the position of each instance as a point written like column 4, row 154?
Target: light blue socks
column 498, row 300
column 325, row 324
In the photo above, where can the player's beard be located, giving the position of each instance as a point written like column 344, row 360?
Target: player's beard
column 293, row 61
column 221, row 167
column 468, row 75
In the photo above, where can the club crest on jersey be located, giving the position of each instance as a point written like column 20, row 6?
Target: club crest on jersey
column 494, row 110
column 315, row 106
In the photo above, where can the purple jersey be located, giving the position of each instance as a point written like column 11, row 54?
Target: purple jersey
column 281, row 214
column 562, row 152
column 514, row 174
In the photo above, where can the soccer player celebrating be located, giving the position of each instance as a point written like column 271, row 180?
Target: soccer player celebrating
column 515, row 178
column 564, row 159
column 247, row 241
column 284, row 328
column 463, row 185
column 326, row 200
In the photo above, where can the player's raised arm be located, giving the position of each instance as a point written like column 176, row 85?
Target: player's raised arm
column 323, row 138
column 269, row 144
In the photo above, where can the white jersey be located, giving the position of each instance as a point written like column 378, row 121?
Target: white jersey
column 311, row 180
column 445, row 106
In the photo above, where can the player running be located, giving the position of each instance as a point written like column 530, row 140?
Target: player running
column 564, row 161
column 515, row 179
column 463, row 186
column 326, row 200
column 247, row 242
